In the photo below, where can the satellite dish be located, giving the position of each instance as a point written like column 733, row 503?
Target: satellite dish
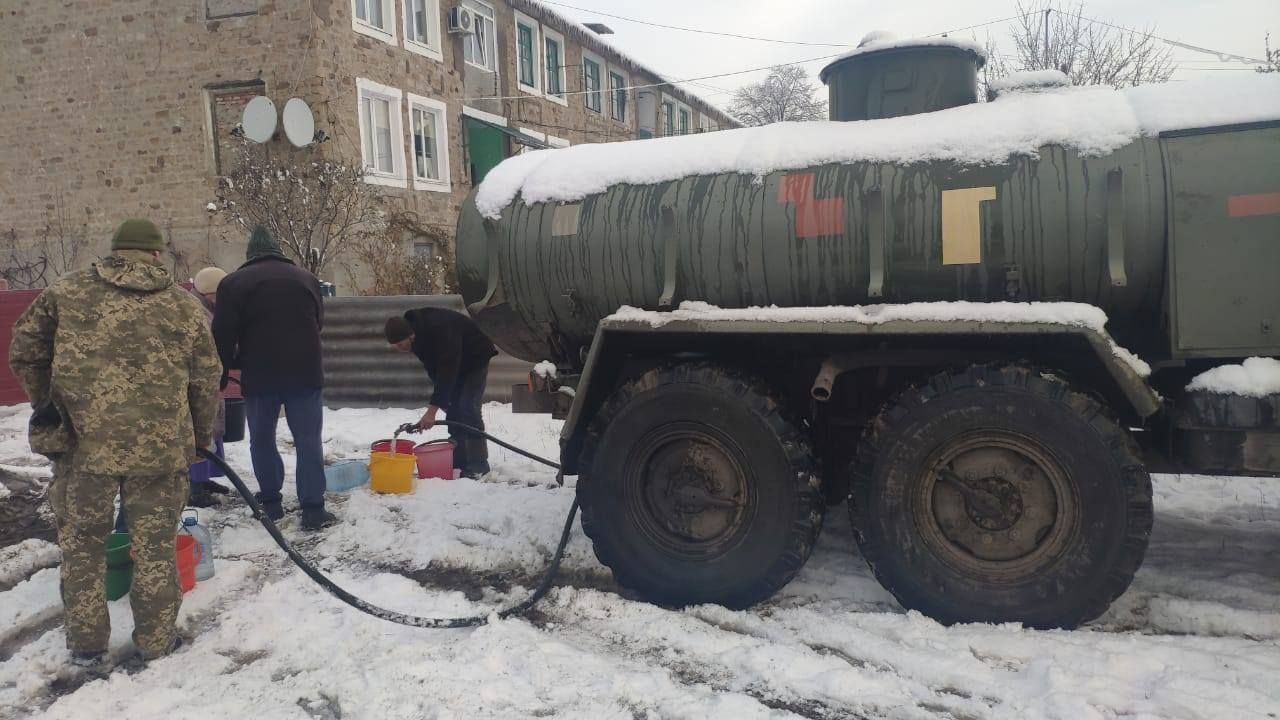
column 299, row 123
column 259, row 119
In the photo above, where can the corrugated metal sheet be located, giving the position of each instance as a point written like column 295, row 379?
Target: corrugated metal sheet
column 361, row 370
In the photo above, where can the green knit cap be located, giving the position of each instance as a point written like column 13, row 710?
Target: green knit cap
column 137, row 234
column 261, row 244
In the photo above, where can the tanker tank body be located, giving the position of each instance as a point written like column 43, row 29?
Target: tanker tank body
column 986, row 454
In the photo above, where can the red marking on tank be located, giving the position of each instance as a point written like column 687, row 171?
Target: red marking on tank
column 1251, row 205
column 814, row 218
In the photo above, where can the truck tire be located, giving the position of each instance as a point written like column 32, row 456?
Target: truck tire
column 695, row 489
column 1001, row 495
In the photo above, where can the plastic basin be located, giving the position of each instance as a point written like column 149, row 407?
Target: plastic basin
column 345, row 475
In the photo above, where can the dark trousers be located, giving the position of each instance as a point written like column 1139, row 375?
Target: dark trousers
column 305, row 414
column 471, row 452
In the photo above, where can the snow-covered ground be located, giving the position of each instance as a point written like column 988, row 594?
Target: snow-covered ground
column 1197, row 636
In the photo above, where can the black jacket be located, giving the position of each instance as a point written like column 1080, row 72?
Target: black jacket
column 267, row 323
column 450, row 345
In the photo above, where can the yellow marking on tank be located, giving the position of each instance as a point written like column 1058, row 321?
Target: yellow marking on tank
column 962, row 224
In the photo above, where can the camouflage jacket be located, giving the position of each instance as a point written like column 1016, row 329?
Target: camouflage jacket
column 120, row 368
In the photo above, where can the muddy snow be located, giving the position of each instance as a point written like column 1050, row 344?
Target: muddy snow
column 1197, row 635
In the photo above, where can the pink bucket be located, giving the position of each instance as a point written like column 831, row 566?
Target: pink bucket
column 435, row 459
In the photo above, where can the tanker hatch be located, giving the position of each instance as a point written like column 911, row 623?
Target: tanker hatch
column 887, row 78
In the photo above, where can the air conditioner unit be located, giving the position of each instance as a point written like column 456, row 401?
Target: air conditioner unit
column 462, row 21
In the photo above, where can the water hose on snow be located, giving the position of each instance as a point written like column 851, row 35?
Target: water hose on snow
column 390, row 615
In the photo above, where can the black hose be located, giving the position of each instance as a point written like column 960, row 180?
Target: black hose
column 390, row 615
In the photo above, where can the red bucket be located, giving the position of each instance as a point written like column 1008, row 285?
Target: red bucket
column 188, row 558
column 403, row 447
column 435, row 459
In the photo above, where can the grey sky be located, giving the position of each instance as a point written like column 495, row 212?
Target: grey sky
column 1234, row 26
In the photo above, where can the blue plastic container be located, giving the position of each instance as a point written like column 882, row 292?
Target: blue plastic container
column 345, row 475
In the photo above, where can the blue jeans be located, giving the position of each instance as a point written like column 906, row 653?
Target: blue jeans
column 305, row 414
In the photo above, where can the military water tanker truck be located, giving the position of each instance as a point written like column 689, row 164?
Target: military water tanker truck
column 974, row 322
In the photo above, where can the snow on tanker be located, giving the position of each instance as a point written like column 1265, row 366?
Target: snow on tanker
column 932, row 308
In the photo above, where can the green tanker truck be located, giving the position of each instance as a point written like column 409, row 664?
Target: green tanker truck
column 902, row 309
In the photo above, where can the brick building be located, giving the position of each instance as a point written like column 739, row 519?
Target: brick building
column 118, row 108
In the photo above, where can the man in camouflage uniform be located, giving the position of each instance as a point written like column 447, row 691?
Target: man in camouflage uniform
column 122, row 374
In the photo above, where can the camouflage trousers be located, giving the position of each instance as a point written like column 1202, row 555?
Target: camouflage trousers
column 83, row 505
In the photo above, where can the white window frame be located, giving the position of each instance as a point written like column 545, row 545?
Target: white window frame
column 626, row 83
column 484, row 13
column 536, row 70
column 603, row 90
column 704, row 123
column 563, row 97
column 396, row 178
column 441, row 112
column 387, row 34
column 692, row 119
column 433, row 30
column 663, row 116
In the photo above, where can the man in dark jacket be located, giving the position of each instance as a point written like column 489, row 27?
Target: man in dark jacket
column 456, row 355
column 268, row 323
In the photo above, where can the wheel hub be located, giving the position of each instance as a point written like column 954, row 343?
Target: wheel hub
column 693, row 491
column 997, row 503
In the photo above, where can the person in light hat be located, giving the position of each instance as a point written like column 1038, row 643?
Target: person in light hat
column 203, row 487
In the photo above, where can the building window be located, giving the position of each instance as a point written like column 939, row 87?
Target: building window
column 668, row 118
column 218, row 9
column 553, row 52
column 528, row 71
column 422, row 28
column 381, row 135
column 429, row 129
column 480, row 47
column 226, row 105
column 591, row 82
column 617, row 96
column 375, row 18
column 704, row 123
column 684, row 121
column 424, row 251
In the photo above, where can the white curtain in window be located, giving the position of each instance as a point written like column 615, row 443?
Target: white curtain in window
column 383, row 160
column 427, row 165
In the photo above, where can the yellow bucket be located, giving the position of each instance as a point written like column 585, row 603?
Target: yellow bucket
column 390, row 473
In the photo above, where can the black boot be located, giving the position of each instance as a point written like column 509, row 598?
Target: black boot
column 273, row 508
column 201, row 497
column 317, row 518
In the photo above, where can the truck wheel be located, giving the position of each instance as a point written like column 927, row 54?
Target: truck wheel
column 1001, row 495
column 695, row 489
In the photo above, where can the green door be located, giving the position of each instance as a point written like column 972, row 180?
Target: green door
column 487, row 147
column 1224, row 190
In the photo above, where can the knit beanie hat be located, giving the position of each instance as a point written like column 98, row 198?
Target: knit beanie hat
column 206, row 281
column 261, row 244
column 398, row 329
column 137, row 234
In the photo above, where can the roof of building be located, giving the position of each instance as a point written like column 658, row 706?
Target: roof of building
column 594, row 42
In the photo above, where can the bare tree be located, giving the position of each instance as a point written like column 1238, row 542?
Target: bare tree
column 35, row 262
column 395, row 268
column 317, row 209
column 787, row 94
column 1272, row 57
column 1090, row 52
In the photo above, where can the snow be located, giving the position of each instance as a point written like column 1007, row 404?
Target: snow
column 211, row 207
column 1255, row 377
column 1031, row 80
column 545, row 369
column 878, row 41
column 1093, row 121
column 1195, row 637
column 1057, row 313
